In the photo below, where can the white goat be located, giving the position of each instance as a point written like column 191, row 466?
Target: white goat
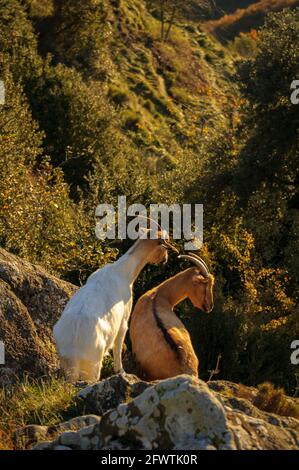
column 96, row 318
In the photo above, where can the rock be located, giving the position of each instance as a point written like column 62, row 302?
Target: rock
column 62, row 448
column 233, row 389
column 73, row 424
column 174, row 414
column 44, row 446
column 70, row 439
column 102, row 396
column 31, row 301
column 178, row 414
column 29, row 435
column 254, row 429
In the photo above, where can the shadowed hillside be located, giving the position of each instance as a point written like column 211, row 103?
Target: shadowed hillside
column 245, row 19
column 161, row 89
column 230, row 6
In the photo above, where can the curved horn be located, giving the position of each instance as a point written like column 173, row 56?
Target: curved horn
column 200, row 259
column 152, row 220
column 199, row 263
column 170, row 246
column 165, row 242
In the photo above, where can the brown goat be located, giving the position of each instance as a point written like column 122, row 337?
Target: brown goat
column 160, row 342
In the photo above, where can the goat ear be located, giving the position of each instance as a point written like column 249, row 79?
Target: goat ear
column 199, row 279
column 196, row 279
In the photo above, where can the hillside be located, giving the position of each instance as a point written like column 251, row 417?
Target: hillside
column 241, row 19
column 104, row 99
column 161, row 89
column 165, row 88
column 229, row 6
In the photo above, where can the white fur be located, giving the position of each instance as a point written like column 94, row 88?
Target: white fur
column 96, row 318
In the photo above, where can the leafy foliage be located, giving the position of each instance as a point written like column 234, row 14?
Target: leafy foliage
column 77, row 35
column 97, row 106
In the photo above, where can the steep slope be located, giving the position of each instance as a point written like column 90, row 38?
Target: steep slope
column 168, row 93
column 230, row 6
column 245, row 19
column 164, row 88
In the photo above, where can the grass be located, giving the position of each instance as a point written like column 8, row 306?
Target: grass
column 274, row 400
column 46, row 401
column 161, row 82
column 266, row 397
column 43, row 402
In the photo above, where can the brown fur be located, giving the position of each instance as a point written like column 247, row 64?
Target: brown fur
column 160, row 342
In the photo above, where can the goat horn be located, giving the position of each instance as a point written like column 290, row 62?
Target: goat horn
column 200, row 259
column 169, row 245
column 165, row 242
column 199, row 263
column 152, row 220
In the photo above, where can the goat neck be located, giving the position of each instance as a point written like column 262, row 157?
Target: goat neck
column 174, row 290
column 132, row 262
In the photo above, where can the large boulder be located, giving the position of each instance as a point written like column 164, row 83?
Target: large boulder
column 31, row 301
column 107, row 394
column 179, row 413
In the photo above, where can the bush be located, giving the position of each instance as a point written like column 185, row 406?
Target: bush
column 18, row 42
column 78, row 36
column 273, row 400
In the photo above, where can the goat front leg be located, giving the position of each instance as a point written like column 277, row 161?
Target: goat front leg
column 117, row 348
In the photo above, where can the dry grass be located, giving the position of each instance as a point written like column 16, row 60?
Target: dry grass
column 229, row 25
column 43, row 402
column 274, row 400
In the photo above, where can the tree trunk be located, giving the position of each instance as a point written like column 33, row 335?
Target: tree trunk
column 162, row 15
column 171, row 21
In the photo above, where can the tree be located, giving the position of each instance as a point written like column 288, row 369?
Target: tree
column 168, row 11
column 78, row 35
column 18, row 42
column 266, row 177
column 271, row 152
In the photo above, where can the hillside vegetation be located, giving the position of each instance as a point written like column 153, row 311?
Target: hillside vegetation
column 229, row 6
column 241, row 19
column 98, row 105
column 161, row 90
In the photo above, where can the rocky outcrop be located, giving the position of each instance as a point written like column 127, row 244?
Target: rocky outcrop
column 179, row 413
column 107, row 394
column 31, row 434
column 31, row 301
column 124, row 412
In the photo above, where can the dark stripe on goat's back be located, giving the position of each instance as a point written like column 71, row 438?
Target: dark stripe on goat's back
column 169, row 340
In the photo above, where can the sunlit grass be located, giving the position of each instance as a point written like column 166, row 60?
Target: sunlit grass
column 274, row 400
column 46, row 401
